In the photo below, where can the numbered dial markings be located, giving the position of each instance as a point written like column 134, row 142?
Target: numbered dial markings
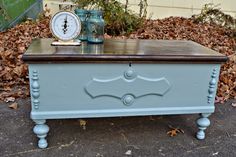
column 65, row 26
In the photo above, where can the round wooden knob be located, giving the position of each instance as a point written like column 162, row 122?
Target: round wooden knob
column 128, row 99
column 129, row 74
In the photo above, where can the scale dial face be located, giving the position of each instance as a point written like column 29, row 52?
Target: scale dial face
column 65, row 26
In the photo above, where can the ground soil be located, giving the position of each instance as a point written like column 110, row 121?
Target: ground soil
column 118, row 137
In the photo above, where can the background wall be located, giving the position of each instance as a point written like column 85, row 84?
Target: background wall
column 166, row 8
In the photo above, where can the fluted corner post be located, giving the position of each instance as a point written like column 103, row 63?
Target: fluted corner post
column 212, row 87
column 203, row 122
column 35, row 90
column 41, row 130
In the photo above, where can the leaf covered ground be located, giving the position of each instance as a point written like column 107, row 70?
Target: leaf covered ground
column 14, row 42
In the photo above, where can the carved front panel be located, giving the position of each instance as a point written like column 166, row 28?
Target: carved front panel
column 127, row 87
column 97, row 90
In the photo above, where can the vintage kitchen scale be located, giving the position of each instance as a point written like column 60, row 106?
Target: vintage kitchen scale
column 65, row 27
column 120, row 77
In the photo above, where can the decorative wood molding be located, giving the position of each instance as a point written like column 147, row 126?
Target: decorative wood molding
column 128, row 87
column 35, row 89
column 212, row 86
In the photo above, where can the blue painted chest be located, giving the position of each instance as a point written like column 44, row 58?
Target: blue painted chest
column 121, row 78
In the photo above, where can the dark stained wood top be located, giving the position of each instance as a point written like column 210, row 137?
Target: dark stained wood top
column 114, row 50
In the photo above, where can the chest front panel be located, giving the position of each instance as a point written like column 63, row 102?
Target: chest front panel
column 84, row 89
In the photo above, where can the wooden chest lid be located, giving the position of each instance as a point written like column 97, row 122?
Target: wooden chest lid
column 119, row 50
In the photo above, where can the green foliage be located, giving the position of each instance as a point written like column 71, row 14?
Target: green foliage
column 3, row 13
column 211, row 14
column 118, row 18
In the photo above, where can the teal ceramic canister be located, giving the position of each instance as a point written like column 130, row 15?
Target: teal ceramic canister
column 95, row 27
column 83, row 15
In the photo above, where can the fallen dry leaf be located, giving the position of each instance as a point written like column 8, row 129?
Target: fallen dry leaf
column 83, row 123
column 128, row 152
column 233, row 104
column 10, row 99
column 174, row 131
column 7, row 88
column 13, row 106
column 219, row 100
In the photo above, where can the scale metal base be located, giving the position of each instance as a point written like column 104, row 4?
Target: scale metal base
column 66, row 43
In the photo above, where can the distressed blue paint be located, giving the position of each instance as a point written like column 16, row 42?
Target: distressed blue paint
column 128, row 99
column 212, row 86
column 118, row 87
column 35, row 90
column 121, row 90
column 62, row 86
column 203, row 122
column 125, row 111
column 41, row 130
column 130, row 73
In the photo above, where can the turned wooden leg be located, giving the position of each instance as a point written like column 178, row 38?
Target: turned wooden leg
column 203, row 122
column 41, row 130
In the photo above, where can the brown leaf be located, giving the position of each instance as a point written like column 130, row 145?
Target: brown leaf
column 10, row 99
column 233, row 104
column 18, row 70
column 1, row 49
column 7, row 88
column 13, row 106
column 219, row 100
column 21, row 49
column 174, row 131
column 83, row 123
